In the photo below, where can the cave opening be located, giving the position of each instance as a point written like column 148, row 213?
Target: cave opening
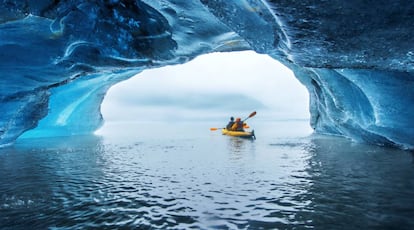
column 209, row 88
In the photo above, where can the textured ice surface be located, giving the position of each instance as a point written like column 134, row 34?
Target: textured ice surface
column 58, row 58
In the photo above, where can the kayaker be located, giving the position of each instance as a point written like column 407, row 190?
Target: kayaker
column 238, row 125
column 230, row 124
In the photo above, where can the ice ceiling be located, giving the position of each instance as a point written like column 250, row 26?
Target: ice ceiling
column 356, row 58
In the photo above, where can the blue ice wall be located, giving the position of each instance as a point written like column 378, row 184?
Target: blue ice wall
column 58, row 58
column 74, row 109
column 365, row 105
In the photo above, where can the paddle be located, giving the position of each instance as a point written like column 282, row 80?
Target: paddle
column 250, row 116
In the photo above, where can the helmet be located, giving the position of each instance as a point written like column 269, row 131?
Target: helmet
column 232, row 118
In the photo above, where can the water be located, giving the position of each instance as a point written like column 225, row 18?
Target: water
column 176, row 176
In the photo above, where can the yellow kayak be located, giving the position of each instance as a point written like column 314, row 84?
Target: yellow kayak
column 243, row 134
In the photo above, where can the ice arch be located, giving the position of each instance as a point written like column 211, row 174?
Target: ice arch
column 209, row 87
column 58, row 58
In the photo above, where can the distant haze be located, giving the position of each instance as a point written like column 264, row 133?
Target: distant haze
column 209, row 87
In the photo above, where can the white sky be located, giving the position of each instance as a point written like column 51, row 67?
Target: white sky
column 211, row 86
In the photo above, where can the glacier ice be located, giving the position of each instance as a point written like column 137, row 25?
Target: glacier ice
column 58, row 58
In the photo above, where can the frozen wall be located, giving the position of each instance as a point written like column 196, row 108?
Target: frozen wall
column 58, row 58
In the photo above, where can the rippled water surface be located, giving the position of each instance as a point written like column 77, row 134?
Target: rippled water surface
column 159, row 176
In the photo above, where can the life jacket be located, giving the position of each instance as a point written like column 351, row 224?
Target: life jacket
column 237, row 126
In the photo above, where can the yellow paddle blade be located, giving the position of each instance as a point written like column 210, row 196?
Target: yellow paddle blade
column 213, row 129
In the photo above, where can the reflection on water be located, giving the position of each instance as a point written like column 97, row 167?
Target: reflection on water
column 238, row 146
column 204, row 180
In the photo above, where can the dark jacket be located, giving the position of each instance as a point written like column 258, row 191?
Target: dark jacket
column 229, row 125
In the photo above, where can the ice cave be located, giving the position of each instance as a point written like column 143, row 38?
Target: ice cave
column 356, row 58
